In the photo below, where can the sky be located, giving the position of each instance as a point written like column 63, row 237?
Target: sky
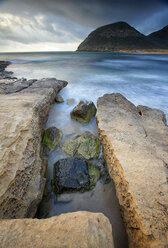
column 61, row 25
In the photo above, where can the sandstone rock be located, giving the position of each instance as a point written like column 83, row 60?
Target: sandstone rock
column 74, row 174
column 83, row 111
column 52, row 138
column 22, row 167
column 70, row 101
column 59, row 99
column 89, row 145
column 135, row 146
column 80, row 229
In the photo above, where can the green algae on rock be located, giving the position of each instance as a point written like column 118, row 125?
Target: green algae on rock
column 89, row 145
column 70, row 146
column 94, row 175
column 83, row 111
column 74, row 174
column 52, row 138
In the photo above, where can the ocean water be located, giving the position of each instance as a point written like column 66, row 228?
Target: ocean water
column 142, row 78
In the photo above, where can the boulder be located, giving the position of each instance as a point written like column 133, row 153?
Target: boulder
column 79, row 229
column 22, row 166
column 135, row 147
column 71, row 174
column 88, row 145
column 70, row 146
column 83, row 111
column 52, row 138
column 59, row 99
column 70, row 101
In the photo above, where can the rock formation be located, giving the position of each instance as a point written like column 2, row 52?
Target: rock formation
column 24, row 107
column 160, row 36
column 118, row 36
column 80, row 229
column 135, row 147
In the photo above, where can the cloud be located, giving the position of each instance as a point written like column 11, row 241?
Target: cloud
column 70, row 21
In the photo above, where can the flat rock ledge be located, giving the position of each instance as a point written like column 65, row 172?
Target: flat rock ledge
column 135, row 147
column 72, row 230
column 24, row 107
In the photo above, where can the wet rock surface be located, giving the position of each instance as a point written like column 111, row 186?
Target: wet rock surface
column 88, row 145
column 83, row 111
column 74, row 174
column 51, row 138
column 70, row 146
column 135, row 147
column 85, row 145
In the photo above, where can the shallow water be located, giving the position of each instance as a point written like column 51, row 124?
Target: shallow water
column 142, row 78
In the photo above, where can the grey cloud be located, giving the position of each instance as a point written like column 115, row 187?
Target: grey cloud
column 72, row 20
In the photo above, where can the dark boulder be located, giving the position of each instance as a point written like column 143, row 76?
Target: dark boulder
column 71, row 174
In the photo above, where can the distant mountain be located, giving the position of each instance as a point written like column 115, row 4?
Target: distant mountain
column 161, row 37
column 119, row 36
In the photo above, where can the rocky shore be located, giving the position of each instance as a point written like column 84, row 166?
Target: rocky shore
column 135, row 147
column 24, row 108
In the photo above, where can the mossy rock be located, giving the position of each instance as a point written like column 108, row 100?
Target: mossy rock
column 83, row 111
column 94, row 175
column 59, row 99
column 88, row 146
column 52, row 138
column 70, row 146
column 74, row 174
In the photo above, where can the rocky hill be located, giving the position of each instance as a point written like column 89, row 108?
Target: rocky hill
column 118, row 36
column 160, row 36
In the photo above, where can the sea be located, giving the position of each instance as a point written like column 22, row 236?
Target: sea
column 141, row 78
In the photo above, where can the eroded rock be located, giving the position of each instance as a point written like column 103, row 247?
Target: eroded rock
column 135, row 147
column 80, row 229
column 83, row 111
column 22, row 167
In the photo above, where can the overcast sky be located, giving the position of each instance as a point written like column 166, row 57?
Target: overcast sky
column 55, row 25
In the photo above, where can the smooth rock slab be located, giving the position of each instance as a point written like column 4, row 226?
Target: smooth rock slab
column 135, row 147
column 72, row 230
column 22, row 167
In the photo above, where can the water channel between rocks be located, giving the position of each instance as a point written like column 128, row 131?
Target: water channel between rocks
column 102, row 198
